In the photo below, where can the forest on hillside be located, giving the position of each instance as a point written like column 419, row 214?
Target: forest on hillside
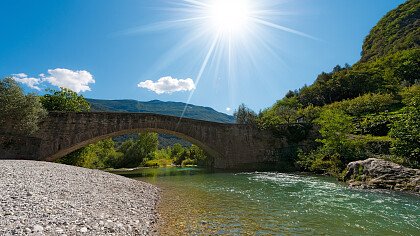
column 369, row 109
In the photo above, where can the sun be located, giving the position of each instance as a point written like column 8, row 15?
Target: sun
column 229, row 16
column 228, row 37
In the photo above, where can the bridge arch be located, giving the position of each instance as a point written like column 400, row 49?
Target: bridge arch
column 63, row 152
column 231, row 146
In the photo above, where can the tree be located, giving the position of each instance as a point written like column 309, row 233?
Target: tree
column 335, row 126
column 19, row 113
column 337, row 147
column 140, row 150
column 406, row 130
column 64, row 100
column 244, row 115
column 287, row 109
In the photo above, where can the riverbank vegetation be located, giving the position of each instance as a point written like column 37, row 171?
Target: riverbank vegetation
column 370, row 109
column 132, row 153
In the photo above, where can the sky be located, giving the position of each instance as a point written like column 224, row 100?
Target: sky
column 216, row 53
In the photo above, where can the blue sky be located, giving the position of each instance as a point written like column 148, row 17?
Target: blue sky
column 119, row 49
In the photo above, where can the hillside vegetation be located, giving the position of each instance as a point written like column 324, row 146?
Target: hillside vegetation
column 398, row 30
column 370, row 109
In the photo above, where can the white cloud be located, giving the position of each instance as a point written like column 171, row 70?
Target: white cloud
column 168, row 85
column 24, row 79
column 77, row 81
column 228, row 109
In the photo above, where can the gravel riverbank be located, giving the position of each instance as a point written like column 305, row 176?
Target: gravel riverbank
column 40, row 198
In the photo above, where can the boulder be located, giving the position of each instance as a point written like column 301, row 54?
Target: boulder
column 378, row 173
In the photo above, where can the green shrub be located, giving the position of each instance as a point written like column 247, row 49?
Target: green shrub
column 188, row 162
column 365, row 104
column 158, row 163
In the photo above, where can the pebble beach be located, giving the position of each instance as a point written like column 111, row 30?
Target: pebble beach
column 41, row 198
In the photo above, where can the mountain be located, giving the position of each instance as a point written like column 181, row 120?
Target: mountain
column 398, row 30
column 159, row 107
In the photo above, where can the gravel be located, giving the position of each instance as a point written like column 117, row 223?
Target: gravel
column 41, row 198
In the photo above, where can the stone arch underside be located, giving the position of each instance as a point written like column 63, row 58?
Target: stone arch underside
column 67, row 150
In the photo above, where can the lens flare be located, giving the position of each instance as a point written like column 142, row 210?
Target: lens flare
column 225, row 36
column 229, row 16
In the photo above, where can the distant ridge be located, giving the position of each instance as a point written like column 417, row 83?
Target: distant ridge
column 160, row 107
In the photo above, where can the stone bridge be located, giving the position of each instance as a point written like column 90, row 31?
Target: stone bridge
column 231, row 146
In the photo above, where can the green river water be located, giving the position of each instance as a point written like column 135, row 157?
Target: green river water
column 199, row 202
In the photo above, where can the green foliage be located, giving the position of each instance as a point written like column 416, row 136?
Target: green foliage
column 287, row 109
column 199, row 156
column 366, row 104
column 189, row 162
column 310, row 113
column 284, row 111
column 19, row 113
column 375, row 124
column 162, row 162
column 401, row 67
column 268, row 119
column 64, row 100
column 178, row 155
column 138, row 151
column 335, row 126
column 94, row 156
column 356, row 107
column 142, row 151
column 406, row 129
column 244, row 115
column 338, row 147
column 383, row 75
column 398, row 30
column 345, row 84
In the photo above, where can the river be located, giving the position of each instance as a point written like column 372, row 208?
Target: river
column 199, row 202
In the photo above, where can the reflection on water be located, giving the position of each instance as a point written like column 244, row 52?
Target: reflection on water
column 199, row 202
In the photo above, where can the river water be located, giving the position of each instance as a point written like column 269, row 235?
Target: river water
column 198, row 202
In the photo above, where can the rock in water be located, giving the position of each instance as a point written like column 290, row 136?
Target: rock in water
column 378, row 173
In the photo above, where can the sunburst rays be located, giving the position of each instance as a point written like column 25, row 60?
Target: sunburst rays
column 224, row 45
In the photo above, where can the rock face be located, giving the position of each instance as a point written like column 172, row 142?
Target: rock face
column 377, row 173
column 39, row 198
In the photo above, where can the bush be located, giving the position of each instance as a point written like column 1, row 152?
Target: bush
column 188, row 162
